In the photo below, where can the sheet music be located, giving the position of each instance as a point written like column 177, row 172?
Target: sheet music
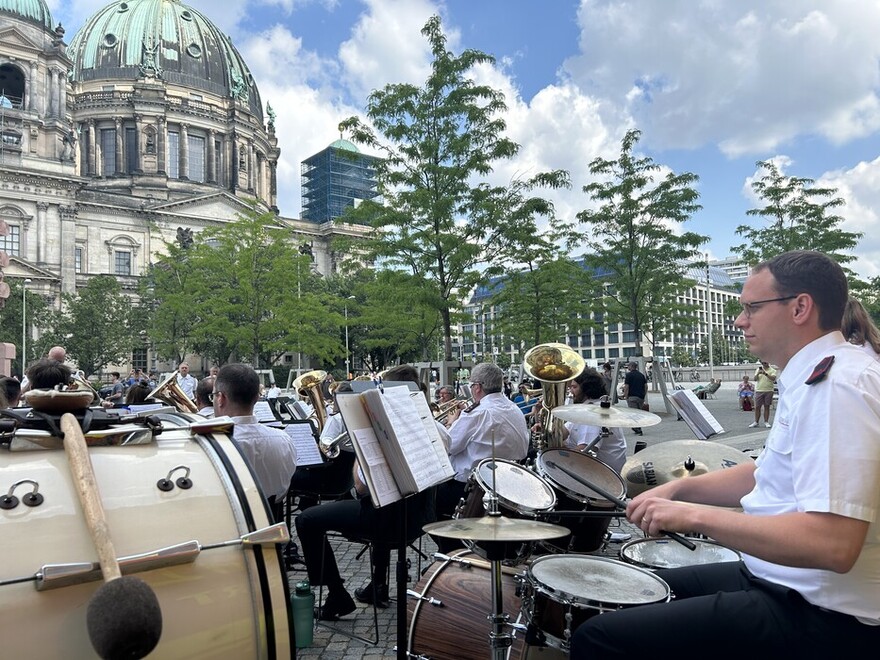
column 307, row 452
column 136, row 408
column 263, row 412
column 441, row 455
column 383, row 488
column 695, row 414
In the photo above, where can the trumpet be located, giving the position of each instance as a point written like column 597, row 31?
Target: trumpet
column 443, row 410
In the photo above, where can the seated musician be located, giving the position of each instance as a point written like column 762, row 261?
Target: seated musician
column 269, row 451
column 360, row 519
column 445, row 394
column 332, row 478
column 808, row 531
column 204, row 396
column 46, row 374
column 10, row 390
column 491, row 419
column 588, row 388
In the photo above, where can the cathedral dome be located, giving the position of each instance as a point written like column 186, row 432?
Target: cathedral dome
column 34, row 11
column 164, row 39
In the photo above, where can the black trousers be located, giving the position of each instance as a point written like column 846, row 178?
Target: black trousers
column 726, row 612
column 449, row 494
column 332, row 479
column 359, row 519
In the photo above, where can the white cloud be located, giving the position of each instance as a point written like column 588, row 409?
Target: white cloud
column 748, row 79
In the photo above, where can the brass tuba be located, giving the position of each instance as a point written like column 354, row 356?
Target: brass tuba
column 553, row 365
column 308, row 386
column 169, row 392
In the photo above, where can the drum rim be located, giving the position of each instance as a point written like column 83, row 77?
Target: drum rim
column 579, row 600
column 510, row 504
column 661, row 539
column 580, row 497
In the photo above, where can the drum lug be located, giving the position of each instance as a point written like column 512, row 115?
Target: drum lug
column 10, row 501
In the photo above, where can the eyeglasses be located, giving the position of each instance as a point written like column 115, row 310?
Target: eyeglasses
column 213, row 395
column 475, row 382
column 752, row 307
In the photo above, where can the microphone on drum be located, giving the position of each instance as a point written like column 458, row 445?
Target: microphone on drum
column 616, row 500
column 124, row 619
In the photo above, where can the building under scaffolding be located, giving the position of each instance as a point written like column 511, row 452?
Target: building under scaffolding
column 334, row 179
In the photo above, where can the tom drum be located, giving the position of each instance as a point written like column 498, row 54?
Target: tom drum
column 666, row 553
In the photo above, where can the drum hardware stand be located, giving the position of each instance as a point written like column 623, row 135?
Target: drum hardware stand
column 617, row 501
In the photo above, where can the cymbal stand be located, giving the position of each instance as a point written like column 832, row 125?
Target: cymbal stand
column 500, row 639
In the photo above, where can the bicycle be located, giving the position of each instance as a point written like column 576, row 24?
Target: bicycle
column 695, row 376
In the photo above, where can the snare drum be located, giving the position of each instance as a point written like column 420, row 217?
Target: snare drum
column 222, row 602
column 666, row 553
column 563, row 591
column 521, row 494
column 455, row 625
column 587, row 534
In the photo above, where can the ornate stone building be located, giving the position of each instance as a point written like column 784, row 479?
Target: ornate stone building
column 148, row 122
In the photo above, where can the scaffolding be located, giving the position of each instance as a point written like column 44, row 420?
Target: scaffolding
column 334, row 179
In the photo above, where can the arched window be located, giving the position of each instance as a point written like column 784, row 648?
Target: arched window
column 12, row 86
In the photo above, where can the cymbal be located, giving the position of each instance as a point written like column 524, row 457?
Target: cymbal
column 613, row 417
column 495, row 528
column 677, row 459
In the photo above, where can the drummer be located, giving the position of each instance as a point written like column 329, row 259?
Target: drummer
column 588, row 387
column 809, row 531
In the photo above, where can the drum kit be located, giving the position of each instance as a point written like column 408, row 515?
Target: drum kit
column 130, row 531
column 508, row 506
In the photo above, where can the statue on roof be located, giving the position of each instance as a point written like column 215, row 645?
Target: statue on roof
column 271, row 113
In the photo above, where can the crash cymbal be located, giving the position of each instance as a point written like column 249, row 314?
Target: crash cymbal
column 613, row 417
column 495, row 528
column 677, row 459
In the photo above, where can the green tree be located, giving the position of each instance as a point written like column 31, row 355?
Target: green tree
column 800, row 216
column 94, row 325
column 634, row 246
column 437, row 221
column 38, row 313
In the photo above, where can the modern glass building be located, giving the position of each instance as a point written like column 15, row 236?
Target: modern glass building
column 337, row 178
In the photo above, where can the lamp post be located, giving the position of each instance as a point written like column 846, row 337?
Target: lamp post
column 709, row 319
column 347, row 359
column 24, row 326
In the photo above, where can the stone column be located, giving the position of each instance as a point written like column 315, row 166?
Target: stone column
column 62, row 95
column 42, row 207
column 184, row 153
column 93, row 149
column 161, row 149
column 212, row 158
column 68, row 245
column 251, row 166
column 53, row 88
column 120, row 151
column 32, row 88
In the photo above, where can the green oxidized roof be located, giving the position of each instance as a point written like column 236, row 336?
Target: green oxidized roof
column 129, row 39
column 34, row 11
column 345, row 144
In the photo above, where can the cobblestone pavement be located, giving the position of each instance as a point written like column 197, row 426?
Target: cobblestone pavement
column 329, row 644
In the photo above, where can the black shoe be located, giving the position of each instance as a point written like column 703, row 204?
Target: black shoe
column 338, row 604
column 639, row 432
column 367, row 593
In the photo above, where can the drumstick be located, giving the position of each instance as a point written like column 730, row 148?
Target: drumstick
column 123, row 616
column 616, row 500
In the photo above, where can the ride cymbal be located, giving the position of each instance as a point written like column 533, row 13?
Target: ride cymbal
column 495, row 528
column 677, row 459
column 612, row 417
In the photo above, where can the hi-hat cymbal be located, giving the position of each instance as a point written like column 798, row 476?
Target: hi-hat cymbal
column 495, row 528
column 677, row 459
column 613, row 417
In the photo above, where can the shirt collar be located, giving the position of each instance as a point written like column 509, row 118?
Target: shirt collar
column 801, row 364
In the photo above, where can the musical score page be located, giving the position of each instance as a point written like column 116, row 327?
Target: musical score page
column 383, row 488
column 307, row 452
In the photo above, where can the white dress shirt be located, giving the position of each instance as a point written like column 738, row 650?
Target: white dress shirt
column 270, row 452
column 495, row 419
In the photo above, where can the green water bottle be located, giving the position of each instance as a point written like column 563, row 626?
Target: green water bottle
column 303, row 605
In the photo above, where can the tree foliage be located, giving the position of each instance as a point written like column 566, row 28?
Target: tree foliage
column 95, row 325
column 243, row 291
column 436, row 141
column 799, row 216
column 38, row 314
column 635, row 246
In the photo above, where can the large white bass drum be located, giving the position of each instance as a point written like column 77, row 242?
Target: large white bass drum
column 178, row 509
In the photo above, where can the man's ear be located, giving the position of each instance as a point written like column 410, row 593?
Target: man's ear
column 804, row 309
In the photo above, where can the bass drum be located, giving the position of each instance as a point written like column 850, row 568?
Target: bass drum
column 225, row 601
column 587, row 534
column 666, row 553
column 455, row 626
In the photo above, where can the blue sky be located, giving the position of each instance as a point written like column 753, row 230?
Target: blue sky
column 714, row 85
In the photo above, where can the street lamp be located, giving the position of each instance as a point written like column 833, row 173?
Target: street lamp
column 24, row 326
column 347, row 360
